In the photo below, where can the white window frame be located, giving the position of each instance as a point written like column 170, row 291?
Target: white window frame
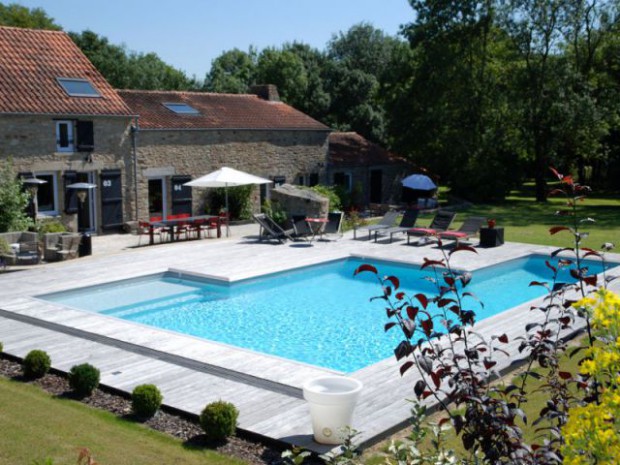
column 70, row 135
column 55, row 211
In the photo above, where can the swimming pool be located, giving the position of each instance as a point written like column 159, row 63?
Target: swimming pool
column 319, row 315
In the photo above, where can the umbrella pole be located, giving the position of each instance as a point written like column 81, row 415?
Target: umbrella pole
column 227, row 211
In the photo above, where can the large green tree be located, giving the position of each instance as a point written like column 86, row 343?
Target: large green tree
column 286, row 70
column 130, row 70
column 357, row 63
column 17, row 15
column 232, row 72
column 452, row 115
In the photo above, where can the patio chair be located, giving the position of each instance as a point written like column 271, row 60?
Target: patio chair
column 442, row 221
column 144, row 230
column 407, row 222
column 387, row 221
column 333, row 228
column 470, row 227
column 28, row 253
column 271, row 230
column 300, row 226
column 68, row 246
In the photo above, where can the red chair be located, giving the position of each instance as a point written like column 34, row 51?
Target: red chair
column 197, row 226
column 213, row 223
column 144, row 228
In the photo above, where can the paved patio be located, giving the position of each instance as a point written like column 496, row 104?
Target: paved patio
column 192, row 372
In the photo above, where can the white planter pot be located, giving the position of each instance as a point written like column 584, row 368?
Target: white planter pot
column 331, row 400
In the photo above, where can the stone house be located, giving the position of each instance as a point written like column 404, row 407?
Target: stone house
column 184, row 135
column 370, row 173
column 61, row 121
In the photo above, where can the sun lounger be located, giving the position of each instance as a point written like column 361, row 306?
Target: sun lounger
column 470, row 227
column 387, row 221
column 333, row 228
column 442, row 221
column 407, row 222
column 271, row 230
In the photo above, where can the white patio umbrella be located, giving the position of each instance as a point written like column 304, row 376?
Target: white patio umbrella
column 226, row 177
column 419, row 182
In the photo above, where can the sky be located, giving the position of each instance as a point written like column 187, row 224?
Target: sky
column 189, row 34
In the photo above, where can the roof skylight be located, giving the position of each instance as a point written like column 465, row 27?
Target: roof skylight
column 75, row 87
column 181, row 108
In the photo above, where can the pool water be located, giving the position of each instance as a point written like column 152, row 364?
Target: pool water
column 321, row 315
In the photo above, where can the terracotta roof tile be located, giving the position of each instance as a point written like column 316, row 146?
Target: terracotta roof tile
column 216, row 111
column 351, row 149
column 30, row 62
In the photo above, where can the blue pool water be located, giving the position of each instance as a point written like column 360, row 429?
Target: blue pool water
column 321, row 315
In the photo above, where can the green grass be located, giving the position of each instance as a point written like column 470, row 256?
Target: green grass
column 528, row 221
column 37, row 426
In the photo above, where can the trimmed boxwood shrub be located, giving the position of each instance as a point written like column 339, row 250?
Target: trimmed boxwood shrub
column 36, row 364
column 219, row 420
column 84, row 379
column 146, row 400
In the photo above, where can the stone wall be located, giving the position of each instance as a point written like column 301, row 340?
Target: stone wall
column 391, row 189
column 31, row 142
column 284, row 153
column 300, row 202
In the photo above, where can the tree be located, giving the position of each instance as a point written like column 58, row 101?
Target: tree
column 358, row 61
column 316, row 100
column 131, row 70
column 20, row 16
column 13, row 200
column 284, row 69
column 448, row 107
column 110, row 60
column 232, row 72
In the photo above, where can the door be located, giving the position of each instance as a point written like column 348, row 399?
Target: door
column 85, row 211
column 111, row 200
column 157, row 198
column 181, row 195
column 376, row 186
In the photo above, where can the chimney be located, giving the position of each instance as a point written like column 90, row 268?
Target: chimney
column 267, row 92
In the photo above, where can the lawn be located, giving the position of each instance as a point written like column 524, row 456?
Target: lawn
column 526, row 220
column 37, row 426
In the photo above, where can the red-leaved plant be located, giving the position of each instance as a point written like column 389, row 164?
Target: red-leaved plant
column 455, row 365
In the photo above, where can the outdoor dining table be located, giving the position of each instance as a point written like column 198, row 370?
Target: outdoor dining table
column 172, row 225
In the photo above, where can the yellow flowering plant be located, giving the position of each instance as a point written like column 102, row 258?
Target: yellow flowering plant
column 592, row 432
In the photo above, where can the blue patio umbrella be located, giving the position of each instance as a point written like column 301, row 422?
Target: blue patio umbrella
column 419, row 182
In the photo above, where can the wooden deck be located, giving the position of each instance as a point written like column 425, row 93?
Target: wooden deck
column 192, row 372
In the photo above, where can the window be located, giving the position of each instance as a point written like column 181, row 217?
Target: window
column 343, row 179
column 64, row 136
column 75, row 87
column 74, row 135
column 181, row 108
column 46, row 194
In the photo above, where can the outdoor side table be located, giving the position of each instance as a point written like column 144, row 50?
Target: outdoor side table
column 491, row 237
column 316, row 225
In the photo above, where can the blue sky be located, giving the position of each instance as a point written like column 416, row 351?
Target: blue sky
column 189, row 34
